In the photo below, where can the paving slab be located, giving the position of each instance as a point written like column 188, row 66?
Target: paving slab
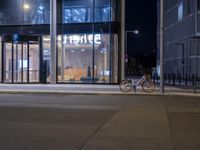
column 137, row 126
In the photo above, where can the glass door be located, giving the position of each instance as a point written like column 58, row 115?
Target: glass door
column 17, row 63
column 7, row 70
column 34, row 60
column 21, row 62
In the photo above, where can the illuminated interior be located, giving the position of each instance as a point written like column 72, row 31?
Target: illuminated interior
column 78, row 62
column 16, row 63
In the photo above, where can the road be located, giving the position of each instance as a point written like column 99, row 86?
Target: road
column 98, row 122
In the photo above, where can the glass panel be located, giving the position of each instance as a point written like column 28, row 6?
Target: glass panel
column 115, row 12
column 76, row 54
column 67, row 15
column 47, row 54
column 78, row 11
column 10, row 12
column 34, row 62
column 61, row 59
column 188, row 7
column 102, row 10
column 36, row 12
column 198, row 5
column 102, row 58
column 114, row 57
column 180, row 11
column 78, row 15
column 24, row 62
column 17, row 62
column 8, row 63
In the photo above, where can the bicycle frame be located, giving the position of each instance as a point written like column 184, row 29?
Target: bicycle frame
column 139, row 82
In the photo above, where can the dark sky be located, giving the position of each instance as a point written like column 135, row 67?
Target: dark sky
column 141, row 15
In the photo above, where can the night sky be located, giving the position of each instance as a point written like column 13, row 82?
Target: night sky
column 141, row 15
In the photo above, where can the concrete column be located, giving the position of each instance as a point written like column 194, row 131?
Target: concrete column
column 122, row 39
column 53, row 38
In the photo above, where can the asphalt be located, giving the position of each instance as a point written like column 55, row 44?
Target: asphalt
column 91, row 89
column 105, row 122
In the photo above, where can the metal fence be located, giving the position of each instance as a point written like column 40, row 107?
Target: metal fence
column 185, row 82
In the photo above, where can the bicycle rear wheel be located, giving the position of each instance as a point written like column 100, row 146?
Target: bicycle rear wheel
column 125, row 86
column 148, row 86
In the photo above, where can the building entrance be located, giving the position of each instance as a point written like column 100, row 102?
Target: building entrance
column 20, row 59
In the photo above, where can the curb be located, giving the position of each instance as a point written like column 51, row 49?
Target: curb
column 99, row 93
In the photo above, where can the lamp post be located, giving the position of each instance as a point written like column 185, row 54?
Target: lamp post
column 162, row 90
column 136, row 32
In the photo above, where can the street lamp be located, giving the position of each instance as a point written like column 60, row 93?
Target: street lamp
column 162, row 88
column 26, row 6
column 135, row 32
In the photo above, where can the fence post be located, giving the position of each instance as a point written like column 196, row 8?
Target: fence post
column 179, row 79
column 168, row 75
column 174, row 78
column 186, row 79
column 195, row 88
column 193, row 80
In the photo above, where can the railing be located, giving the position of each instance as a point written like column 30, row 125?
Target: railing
column 177, row 80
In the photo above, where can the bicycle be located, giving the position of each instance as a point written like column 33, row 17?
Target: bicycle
column 146, row 83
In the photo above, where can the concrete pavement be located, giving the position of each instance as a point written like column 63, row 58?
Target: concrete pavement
column 87, row 89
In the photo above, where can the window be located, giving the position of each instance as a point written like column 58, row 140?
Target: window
column 78, row 11
column 198, row 5
column 10, row 12
column 36, row 12
column 180, row 11
column 81, row 11
column 188, row 7
column 75, row 15
column 102, row 10
column 75, row 57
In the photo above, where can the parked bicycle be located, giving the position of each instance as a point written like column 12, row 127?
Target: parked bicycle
column 146, row 83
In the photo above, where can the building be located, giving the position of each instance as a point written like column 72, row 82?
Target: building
column 181, row 37
column 89, row 41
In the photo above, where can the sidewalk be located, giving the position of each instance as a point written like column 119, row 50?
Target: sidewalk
column 85, row 89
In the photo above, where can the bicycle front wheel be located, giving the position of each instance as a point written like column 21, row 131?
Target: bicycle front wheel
column 148, row 86
column 125, row 86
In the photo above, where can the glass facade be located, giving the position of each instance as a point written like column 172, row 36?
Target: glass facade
column 73, row 11
column 28, row 12
column 85, row 58
column 87, row 41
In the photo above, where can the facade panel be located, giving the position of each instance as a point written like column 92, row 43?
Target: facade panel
column 181, row 37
